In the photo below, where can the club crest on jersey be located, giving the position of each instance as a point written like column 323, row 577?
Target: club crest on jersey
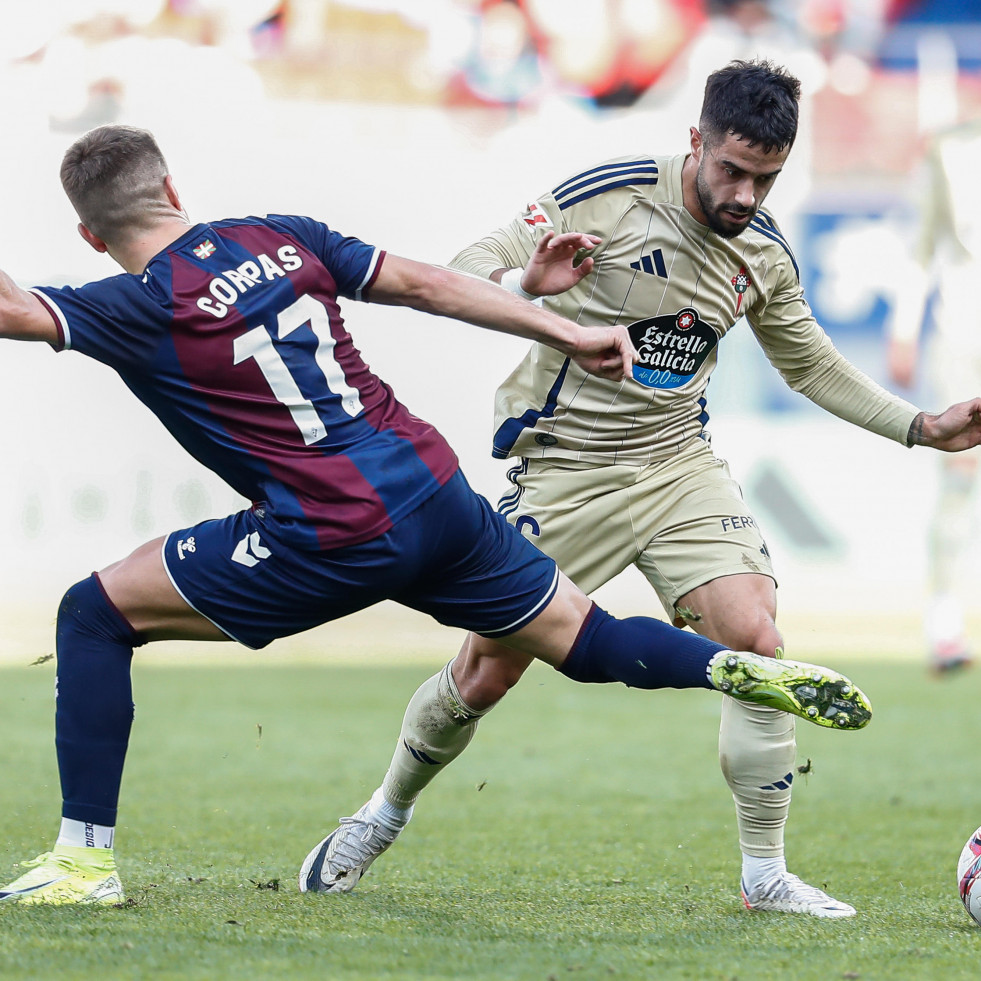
column 206, row 248
column 740, row 283
column 672, row 348
column 535, row 216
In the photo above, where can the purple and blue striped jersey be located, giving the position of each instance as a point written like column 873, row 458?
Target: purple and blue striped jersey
column 234, row 339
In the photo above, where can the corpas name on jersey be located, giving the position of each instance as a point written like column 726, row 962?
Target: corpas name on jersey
column 232, row 283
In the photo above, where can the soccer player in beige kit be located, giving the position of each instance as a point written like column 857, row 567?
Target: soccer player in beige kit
column 613, row 474
column 948, row 260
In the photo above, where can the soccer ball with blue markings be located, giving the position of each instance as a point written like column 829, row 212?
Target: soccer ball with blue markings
column 969, row 876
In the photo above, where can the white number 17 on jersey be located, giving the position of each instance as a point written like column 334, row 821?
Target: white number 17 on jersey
column 259, row 344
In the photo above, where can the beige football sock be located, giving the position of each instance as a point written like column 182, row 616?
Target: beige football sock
column 757, row 751
column 437, row 727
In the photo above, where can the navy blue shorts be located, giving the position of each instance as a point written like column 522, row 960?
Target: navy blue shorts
column 454, row 558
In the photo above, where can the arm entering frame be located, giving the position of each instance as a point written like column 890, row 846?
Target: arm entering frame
column 23, row 316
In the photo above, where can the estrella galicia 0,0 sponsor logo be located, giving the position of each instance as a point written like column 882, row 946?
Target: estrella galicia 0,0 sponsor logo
column 672, row 348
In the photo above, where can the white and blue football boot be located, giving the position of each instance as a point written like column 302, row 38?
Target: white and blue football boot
column 342, row 858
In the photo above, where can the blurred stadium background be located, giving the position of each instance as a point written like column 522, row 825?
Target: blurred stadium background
column 418, row 125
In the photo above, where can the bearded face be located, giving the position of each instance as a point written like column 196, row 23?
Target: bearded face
column 725, row 218
column 732, row 181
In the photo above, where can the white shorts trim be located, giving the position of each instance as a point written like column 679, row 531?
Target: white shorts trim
column 530, row 615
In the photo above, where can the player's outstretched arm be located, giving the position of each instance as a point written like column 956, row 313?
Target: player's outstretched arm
column 954, row 429
column 604, row 351
column 22, row 315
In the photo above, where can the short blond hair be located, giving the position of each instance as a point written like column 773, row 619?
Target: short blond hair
column 114, row 178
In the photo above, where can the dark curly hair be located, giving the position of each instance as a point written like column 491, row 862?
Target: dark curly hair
column 755, row 100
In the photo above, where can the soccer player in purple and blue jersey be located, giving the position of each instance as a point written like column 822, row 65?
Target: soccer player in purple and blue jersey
column 230, row 332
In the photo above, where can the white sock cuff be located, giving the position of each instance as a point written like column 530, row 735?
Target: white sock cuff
column 712, row 661
column 81, row 834
column 757, row 870
column 390, row 815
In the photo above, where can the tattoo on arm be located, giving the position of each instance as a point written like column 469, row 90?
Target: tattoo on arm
column 915, row 435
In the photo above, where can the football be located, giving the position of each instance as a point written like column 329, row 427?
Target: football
column 969, row 876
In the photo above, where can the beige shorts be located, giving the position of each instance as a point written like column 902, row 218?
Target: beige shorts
column 682, row 522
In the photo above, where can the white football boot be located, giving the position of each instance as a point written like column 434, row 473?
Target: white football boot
column 339, row 861
column 786, row 893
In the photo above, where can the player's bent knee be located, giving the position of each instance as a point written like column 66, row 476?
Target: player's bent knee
column 496, row 676
column 485, row 671
column 761, row 637
column 86, row 609
column 768, row 643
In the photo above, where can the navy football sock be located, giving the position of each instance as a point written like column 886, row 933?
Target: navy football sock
column 93, row 702
column 641, row 652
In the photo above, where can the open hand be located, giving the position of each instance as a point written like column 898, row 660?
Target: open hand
column 552, row 267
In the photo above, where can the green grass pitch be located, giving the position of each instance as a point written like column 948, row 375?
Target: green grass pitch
column 586, row 833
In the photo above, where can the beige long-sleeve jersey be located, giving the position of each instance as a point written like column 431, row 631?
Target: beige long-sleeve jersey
column 679, row 288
